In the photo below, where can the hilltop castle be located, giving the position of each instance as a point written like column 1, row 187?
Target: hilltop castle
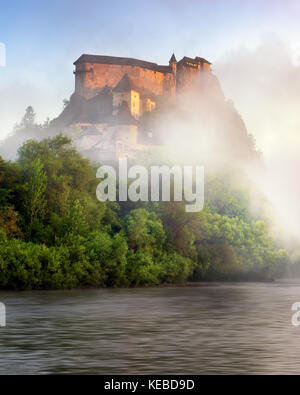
column 113, row 93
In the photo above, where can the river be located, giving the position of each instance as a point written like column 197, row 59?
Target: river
column 209, row 328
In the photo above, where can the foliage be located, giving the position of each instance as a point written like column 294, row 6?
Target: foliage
column 34, row 200
column 55, row 234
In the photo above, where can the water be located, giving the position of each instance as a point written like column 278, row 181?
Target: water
column 205, row 329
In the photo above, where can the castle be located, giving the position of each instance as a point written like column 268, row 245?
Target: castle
column 113, row 93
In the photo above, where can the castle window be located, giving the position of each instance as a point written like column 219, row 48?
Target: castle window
column 150, row 105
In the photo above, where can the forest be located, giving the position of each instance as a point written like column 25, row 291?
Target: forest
column 55, row 234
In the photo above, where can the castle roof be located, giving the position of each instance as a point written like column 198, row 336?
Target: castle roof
column 100, row 59
column 124, row 85
column 197, row 58
column 191, row 60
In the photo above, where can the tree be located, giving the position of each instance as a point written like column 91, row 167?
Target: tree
column 35, row 201
column 29, row 118
column 144, row 231
column 71, row 239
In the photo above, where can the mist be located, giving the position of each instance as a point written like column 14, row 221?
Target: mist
column 253, row 103
column 247, row 117
column 264, row 84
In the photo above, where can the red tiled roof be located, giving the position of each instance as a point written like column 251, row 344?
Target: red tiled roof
column 124, row 85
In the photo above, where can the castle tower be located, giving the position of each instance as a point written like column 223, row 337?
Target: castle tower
column 123, row 128
column 173, row 64
column 126, row 92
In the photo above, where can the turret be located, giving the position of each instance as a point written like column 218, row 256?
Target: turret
column 173, row 64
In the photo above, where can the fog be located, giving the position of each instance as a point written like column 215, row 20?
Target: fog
column 261, row 88
column 265, row 86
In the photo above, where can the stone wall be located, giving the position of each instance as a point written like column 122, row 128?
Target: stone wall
column 92, row 78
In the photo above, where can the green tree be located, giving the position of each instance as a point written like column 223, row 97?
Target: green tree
column 145, row 231
column 35, row 201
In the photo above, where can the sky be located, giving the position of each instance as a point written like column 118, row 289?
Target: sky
column 43, row 38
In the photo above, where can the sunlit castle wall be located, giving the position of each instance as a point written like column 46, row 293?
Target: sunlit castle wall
column 188, row 69
column 93, row 73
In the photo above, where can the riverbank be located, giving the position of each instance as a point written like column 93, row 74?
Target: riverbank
column 147, row 286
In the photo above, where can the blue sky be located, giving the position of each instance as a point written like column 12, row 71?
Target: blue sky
column 44, row 37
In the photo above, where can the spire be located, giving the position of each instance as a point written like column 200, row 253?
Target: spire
column 173, row 59
column 173, row 64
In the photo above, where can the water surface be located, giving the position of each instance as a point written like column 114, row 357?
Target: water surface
column 205, row 329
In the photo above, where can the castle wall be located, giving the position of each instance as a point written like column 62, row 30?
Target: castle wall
column 125, row 136
column 186, row 74
column 132, row 98
column 92, row 77
column 206, row 67
column 147, row 80
column 119, row 97
column 150, row 105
